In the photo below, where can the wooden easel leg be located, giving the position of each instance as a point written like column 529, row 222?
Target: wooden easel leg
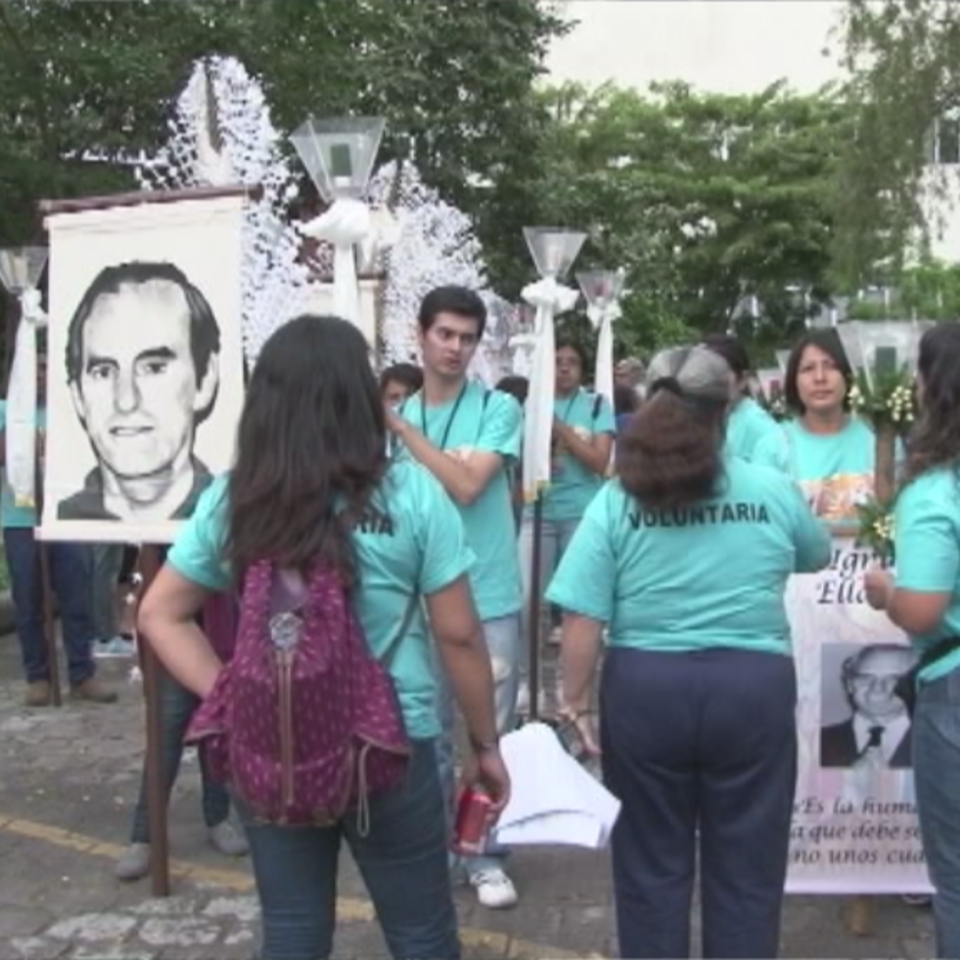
column 156, row 791
column 50, row 625
column 859, row 915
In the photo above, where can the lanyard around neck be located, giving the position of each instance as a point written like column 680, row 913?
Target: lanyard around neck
column 450, row 419
column 569, row 407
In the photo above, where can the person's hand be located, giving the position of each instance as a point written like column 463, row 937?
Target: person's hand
column 878, row 586
column 582, row 727
column 558, row 438
column 485, row 768
column 395, row 423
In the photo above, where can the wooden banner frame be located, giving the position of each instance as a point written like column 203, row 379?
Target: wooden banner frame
column 148, row 561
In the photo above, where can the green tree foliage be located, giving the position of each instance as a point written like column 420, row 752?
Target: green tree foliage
column 927, row 291
column 705, row 200
column 82, row 78
column 904, row 62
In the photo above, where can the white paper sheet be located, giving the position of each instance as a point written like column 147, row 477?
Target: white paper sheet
column 553, row 799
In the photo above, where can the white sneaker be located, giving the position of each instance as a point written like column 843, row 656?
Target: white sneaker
column 228, row 840
column 114, row 647
column 495, row 889
column 134, row 862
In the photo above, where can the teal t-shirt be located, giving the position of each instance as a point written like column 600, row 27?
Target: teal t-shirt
column 927, row 538
column 482, row 420
column 10, row 514
column 835, row 471
column 747, row 425
column 419, row 548
column 708, row 575
column 572, row 485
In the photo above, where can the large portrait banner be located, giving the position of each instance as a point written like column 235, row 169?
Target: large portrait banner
column 855, row 827
column 144, row 367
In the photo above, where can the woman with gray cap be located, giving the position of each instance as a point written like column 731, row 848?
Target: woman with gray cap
column 685, row 557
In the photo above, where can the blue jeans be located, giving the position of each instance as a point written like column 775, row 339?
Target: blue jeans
column 107, row 561
column 502, row 637
column 403, row 861
column 936, row 770
column 178, row 707
column 70, row 579
column 555, row 538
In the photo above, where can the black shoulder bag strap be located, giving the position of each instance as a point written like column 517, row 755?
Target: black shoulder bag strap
column 387, row 658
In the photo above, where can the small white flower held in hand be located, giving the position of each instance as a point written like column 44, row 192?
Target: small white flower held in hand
column 856, row 398
column 900, row 404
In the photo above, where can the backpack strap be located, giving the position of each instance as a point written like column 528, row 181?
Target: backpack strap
column 597, row 404
column 387, row 659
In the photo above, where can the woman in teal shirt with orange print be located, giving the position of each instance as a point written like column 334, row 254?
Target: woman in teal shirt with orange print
column 829, row 452
column 685, row 557
column 923, row 597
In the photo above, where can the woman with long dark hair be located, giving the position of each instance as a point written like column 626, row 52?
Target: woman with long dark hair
column 685, row 557
column 923, row 598
column 313, row 484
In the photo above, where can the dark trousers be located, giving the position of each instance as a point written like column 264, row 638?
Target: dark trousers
column 70, row 570
column 178, row 707
column 702, row 742
column 403, row 861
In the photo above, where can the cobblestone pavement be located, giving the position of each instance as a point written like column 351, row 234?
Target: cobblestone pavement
column 68, row 779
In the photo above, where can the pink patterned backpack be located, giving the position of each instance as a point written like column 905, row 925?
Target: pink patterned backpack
column 302, row 722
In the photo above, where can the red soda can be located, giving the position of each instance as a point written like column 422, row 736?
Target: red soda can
column 473, row 816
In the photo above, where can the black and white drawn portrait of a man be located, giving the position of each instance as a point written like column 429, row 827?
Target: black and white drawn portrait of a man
column 143, row 369
column 877, row 732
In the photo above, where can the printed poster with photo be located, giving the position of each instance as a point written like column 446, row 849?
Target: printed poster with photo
column 144, row 368
column 855, row 826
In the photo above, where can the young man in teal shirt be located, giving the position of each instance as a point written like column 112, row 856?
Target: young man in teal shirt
column 468, row 436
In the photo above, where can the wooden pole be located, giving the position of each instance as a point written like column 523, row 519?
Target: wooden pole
column 860, row 912
column 885, row 470
column 149, row 562
column 49, row 623
column 535, row 607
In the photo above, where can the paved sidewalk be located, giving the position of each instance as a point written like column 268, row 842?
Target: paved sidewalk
column 68, row 779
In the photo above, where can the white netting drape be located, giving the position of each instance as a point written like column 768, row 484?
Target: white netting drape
column 435, row 245
column 221, row 133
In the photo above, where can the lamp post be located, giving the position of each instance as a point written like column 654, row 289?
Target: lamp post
column 339, row 153
column 20, row 270
column 882, row 351
column 553, row 250
column 602, row 290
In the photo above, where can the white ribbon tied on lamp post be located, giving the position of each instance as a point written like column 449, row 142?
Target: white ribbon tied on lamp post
column 602, row 317
column 21, row 429
column 602, row 290
column 550, row 299
column 345, row 225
